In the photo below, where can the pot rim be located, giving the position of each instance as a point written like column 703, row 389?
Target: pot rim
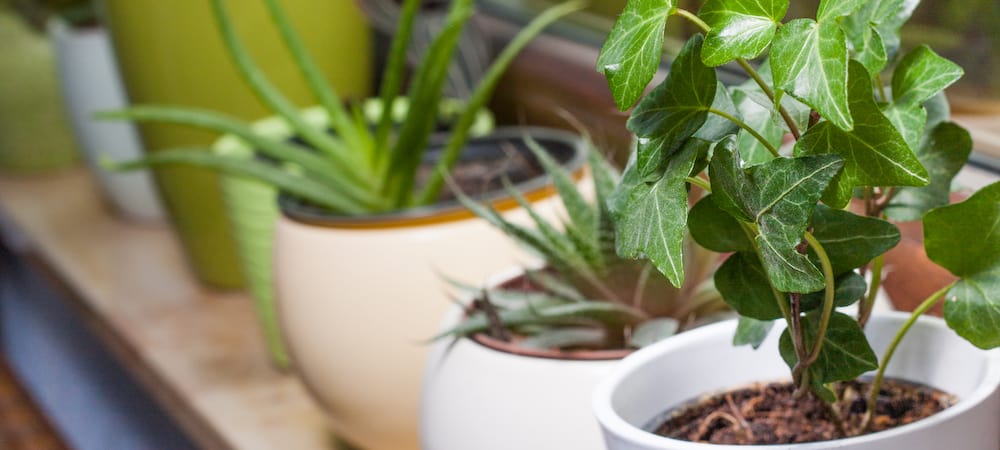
column 534, row 190
column 609, row 419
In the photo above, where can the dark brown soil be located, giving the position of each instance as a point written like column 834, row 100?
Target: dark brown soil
column 767, row 414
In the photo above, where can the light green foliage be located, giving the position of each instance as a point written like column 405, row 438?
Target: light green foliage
column 631, row 54
column 873, row 31
column 739, row 29
column 965, row 239
column 353, row 170
column 809, row 61
column 921, row 75
column 751, row 332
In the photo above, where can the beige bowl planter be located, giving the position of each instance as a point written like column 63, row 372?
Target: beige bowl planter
column 488, row 395
column 704, row 361
column 359, row 297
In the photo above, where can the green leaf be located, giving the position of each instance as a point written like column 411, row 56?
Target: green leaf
column 921, row 75
column 909, row 121
column 554, row 285
column 834, row 9
column 938, row 111
column 740, row 29
column 809, row 61
column 717, row 127
column 850, row 287
column 716, row 230
column 744, row 286
column 845, row 353
column 851, row 240
column 674, row 110
column 563, row 337
column 631, row 54
column 965, row 239
column 868, row 48
column 751, row 332
column 765, row 120
column 874, row 153
column 944, row 152
column 653, row 331
column 873, row 31
column 651, row 217
column 582, row 214
column 779, row 197
column 798, row 111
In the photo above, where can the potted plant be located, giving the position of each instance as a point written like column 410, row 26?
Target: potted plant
column 365, row 218
column 530, row 347
column 796, row 251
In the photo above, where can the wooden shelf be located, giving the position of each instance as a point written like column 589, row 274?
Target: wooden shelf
column 197, row 351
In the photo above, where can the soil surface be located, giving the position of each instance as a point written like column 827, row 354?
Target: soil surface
column 767, row 414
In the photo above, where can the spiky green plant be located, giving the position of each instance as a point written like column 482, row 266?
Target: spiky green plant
column 354, row 170
column 586, row 296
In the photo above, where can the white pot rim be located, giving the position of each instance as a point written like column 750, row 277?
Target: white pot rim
column 605, row 412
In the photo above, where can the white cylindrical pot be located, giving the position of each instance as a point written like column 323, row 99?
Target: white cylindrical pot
column 480, row 396
column 359, row 299
column 704, row 361
column 89, row 79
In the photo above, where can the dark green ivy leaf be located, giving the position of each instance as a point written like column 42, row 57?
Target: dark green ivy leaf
column 850, row 287
column 845, row 354
column 716, row 230
column 944, row 151
column 766, row 121
column 851, row 240
column 743, row 284
column 809, row 61
column 965, row 239
column 874, row 153
column 717, row 127
column 751, row 332
column 631, row 54
column 778, row 197
column 740, row 29
column 674, row 110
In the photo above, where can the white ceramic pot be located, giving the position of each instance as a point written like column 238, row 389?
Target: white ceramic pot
column 480, row 396
column 89, row 79
column 359, row 298
column 703, row 361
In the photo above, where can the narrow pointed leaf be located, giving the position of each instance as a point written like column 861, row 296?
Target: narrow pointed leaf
column 944, row 153
column 809, row 61
column 874, row 153
column 554, row 285
column 674, row 110
column 845, row 354
column 716, row 230
column 631, row 54
column 652, row 217
column 921, row 75
column 965, row 239
column 752, row 332
column 744, row 286
column 851, row 240
column 778, row 197
column 582, row 214
column 564, row 337
column 740, row 29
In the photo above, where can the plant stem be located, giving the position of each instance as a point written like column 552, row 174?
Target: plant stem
column 693, row 18
column 748, row 129
column 828, row 303
column 883, row 95
column 700, row 182
column 868, row 303
column 877, row 383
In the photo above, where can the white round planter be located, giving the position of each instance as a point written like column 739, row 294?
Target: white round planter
column 703, row 361
column 478, row 397
column 90, row 83
column 358, row 299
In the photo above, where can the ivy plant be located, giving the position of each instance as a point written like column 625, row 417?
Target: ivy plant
column 352, row 168
column 837, row 132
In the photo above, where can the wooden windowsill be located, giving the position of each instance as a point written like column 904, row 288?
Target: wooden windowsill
column 198, row 352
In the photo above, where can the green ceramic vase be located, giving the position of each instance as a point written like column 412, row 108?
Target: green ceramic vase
column 170, row 52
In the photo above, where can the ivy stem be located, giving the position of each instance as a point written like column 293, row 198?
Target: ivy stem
column 877, row 383
column 747, row 128
column 749, row 70
column 883, row 95
column 700, row 182
column 828, row 303
column 868, row 303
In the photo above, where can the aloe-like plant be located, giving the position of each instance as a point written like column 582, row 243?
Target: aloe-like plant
column 586, row 296
column 352, row 168
column 869, row 123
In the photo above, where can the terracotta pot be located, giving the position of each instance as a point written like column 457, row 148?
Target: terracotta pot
column 488, row 395
column 252, row 209
column 359, row 297
column 704, row 361
column 161, row 65
column 90, row 83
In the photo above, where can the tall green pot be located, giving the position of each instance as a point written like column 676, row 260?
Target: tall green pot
column 170, row 52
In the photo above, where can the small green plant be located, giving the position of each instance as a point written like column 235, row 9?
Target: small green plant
column 881, row 137
column 587, row 296
column 357, row 169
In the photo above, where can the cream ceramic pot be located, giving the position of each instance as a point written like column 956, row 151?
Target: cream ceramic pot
column 704, row 361
column 479, row 396
column 360, row 298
